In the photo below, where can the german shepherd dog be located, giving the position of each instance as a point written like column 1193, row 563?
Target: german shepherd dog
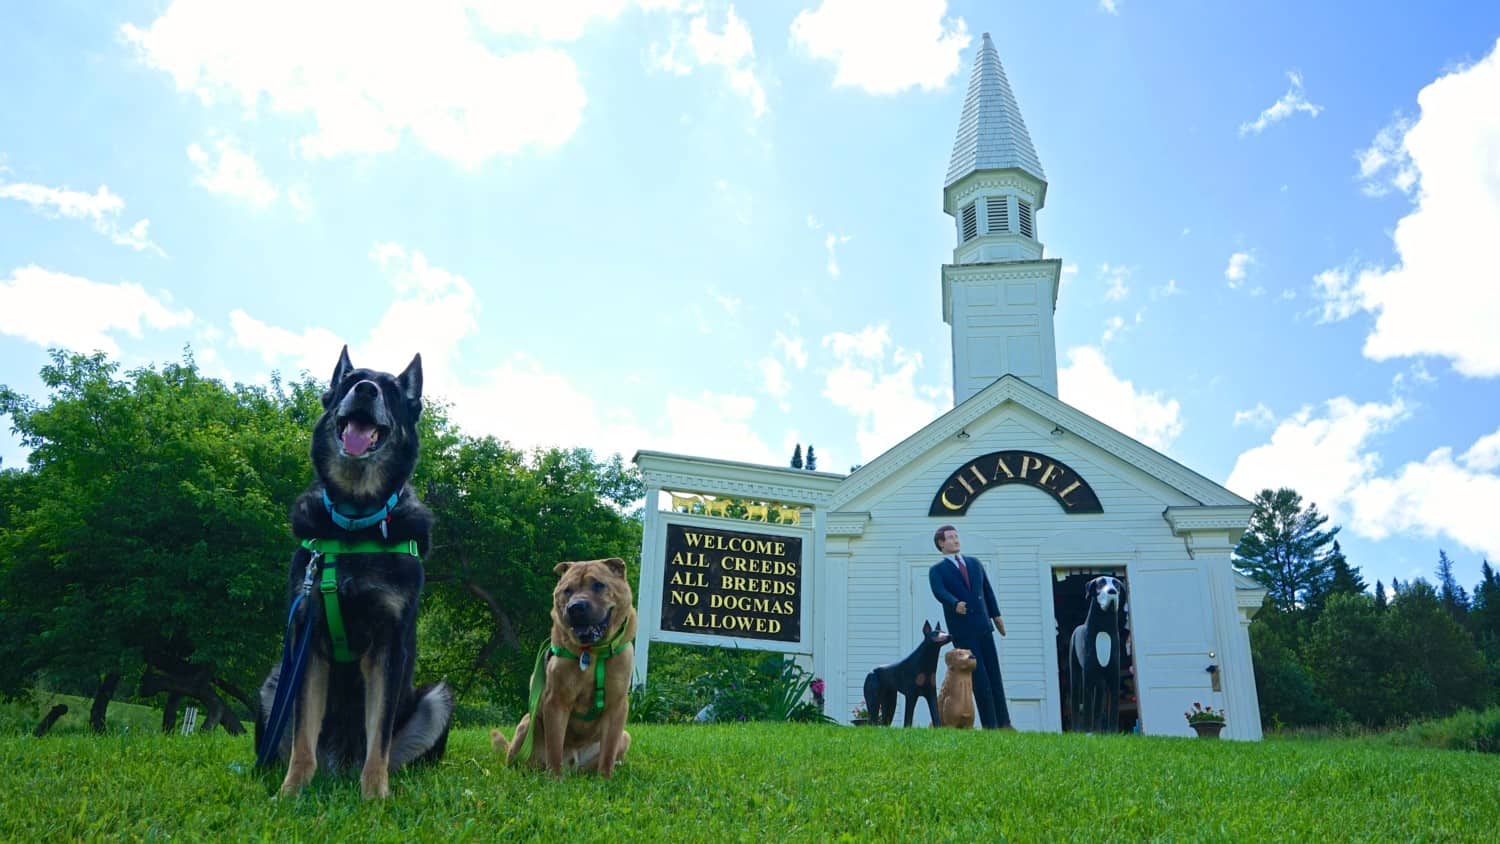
column 364, row 448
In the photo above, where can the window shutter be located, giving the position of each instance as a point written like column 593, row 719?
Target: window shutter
column 970, row 222
column 1025, row 215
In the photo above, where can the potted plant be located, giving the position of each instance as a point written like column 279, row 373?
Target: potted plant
column 860, row 716
column 1205, row 720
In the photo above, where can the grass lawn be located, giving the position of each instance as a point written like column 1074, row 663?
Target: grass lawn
column 770, row 782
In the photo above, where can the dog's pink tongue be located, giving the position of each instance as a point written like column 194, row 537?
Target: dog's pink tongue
column 357, row 438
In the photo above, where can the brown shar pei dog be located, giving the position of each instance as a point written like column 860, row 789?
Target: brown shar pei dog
column 956, row 697
column 579, row 719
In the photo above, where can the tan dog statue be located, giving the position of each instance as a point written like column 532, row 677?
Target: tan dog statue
column 580, row 690
column 955, row 699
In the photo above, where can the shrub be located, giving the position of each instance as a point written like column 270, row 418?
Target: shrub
column 1467, row 730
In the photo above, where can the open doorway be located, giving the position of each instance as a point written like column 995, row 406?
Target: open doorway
column 1070, row 608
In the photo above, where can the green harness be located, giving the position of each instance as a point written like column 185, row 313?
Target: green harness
column 598, row 654
column 330, row 550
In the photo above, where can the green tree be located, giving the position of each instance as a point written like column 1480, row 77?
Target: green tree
column 797, row 457
column 812, row 460
column 1348, row 654
column 1379, row 596
column 1454, row 599
column 1435, row 669
column 505, row 519
column 1283, row 549
column 147, row 538
column 1285, row 688
column 1484, row 618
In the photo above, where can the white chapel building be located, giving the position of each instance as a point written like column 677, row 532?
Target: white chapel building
column 833, row 569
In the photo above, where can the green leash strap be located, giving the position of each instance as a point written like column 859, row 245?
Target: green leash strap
column 330, row 550
column 539, row 682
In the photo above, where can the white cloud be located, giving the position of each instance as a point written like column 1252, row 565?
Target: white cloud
column 313, row 350
column 56, row 309
column 792, row 349
column 1290, row 103
column 1327, row 457
column 732, row 49
column 231, row 171
column 728, row 303
column 1239, row 265
column 1114, row 279
column 1321, row 454
column 1112, row 327
column 884, row 47
column 1166, row 290
column 1443, row 296
column 829, row 242
column 773, row 379
column 547, row 21
column 1111, row 6
column 1386, row 162
column 735, row 202
column 369, row 74
column 1088, row 383
column 1287, row 295
column 101, row 209
column 1259, row 416
column 876, row 381
column 1069, row 272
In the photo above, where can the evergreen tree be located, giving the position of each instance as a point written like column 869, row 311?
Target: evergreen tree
column 1379, row 595
column 1433, row 667
column 812, row 459
column 1484, row 618
column 797, row 456
column 1283, row 549
column 1455, row 599
column 1343, row 579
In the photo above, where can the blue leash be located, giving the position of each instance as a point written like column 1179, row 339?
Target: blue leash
column 289, row 681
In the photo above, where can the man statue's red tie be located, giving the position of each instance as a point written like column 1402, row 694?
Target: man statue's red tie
column 963, row 569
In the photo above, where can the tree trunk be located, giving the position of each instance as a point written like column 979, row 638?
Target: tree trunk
column 169, row 713
column 198, row 687
column 504, row 633
column 55, row 713
column 101, row 700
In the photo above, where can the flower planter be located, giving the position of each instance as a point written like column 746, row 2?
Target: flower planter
column 1207, row 729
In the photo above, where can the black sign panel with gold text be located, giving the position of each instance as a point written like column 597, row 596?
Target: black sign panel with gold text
column 1014, row 467
column 732, row 583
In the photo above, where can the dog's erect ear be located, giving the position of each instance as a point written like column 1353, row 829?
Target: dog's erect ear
column 411, row 384
column 344, row 367
column 562, row 568
column 926, row 628
column 616, row 565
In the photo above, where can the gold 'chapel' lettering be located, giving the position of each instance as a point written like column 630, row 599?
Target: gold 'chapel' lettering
column 949, row 504
column 980, row 475
column 1000, row 466
column 965, row 484
column 1027, row 463
column 1047, row 474
column 1064, row 494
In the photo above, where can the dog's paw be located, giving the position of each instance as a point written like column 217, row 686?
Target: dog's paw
column 498, row 742
column 375, row 786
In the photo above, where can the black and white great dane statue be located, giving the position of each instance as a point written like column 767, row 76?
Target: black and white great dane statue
column 1094, row 658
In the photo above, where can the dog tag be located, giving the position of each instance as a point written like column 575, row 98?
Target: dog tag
column 384, row 534
column 583, row 661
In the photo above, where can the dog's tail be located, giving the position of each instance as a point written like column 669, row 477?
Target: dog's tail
column 424, row 734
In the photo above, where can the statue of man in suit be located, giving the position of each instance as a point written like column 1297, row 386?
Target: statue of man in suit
column 960, row 585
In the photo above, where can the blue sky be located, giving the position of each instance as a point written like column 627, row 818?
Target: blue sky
column 717, row 229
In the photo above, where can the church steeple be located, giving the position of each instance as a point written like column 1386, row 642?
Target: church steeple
column 999, row 293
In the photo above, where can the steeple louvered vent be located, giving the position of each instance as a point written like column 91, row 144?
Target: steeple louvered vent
column 970, row 222
column 1024, row 212
column 998, row 208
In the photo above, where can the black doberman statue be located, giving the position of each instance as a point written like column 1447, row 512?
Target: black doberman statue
column 914, row 677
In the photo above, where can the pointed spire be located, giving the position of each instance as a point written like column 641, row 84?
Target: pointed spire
column 991, row 133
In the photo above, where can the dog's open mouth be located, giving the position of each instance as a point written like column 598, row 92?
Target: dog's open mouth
column 589, row 634
column 360, row 435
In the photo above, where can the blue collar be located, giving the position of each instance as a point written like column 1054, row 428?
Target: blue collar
column 361, row 522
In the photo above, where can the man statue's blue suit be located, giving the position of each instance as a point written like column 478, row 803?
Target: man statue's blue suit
column 973, row 631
